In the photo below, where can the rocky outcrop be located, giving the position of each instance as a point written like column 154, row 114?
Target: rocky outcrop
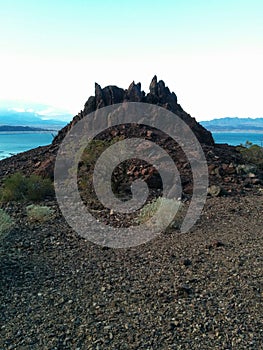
column 229, row 173
column 159, row 94
column 134, row 93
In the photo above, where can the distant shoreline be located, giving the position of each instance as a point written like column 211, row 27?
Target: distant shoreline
column 20, row 128
column 237, row 131
column 234, row 125
column 28, row 132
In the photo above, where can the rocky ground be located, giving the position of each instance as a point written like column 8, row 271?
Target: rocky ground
column 200, row 290
column 197, row 290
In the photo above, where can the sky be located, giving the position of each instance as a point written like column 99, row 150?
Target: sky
column 209, row 53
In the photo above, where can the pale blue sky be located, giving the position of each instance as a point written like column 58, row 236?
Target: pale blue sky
column 209, row 52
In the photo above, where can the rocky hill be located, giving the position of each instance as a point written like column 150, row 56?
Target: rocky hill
column 177, row 291
column 227, row 169
column 159, row 94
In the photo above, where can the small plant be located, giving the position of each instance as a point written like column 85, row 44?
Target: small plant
column 252, row 153
column 38, row 188
column 6, row 223
column 38, row 213
column 14, row 188
column 169, row 208
column 18, row 188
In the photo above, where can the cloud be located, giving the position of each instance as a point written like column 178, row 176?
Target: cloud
column 20, row 110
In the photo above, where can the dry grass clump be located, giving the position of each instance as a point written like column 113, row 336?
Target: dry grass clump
column 38, row 213
column 6, row 223
column 171, row 209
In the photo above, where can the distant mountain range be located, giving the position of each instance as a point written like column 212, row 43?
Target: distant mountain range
column 229, row 124
column 13, row 117
column 44, row 117
column 12, row 128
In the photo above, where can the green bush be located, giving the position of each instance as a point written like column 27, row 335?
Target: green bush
column 39, row 188
column 6, row 223
column 14, row 188
column 38, row 213
column 18, row 188
column 252, row 153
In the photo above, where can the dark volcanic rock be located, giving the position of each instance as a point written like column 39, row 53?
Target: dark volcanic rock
column 46, row 168
column 134, row 93
column 159, row 94
column 227, row 169
column 107, row 96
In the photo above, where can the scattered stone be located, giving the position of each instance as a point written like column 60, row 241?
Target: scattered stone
column 95, row 297
column 184, row 291
column 104, row 298
column 215, row 190
column 187, row 262
column 215, row 244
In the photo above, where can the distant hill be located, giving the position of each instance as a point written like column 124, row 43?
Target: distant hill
column 30, row 119
column 229, row 124
column 10, row 128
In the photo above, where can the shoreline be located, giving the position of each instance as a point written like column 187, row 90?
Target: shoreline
column 238, row 132
column 27, row 132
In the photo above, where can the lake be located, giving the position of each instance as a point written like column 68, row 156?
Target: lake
column 16, row 142
column 236, row 138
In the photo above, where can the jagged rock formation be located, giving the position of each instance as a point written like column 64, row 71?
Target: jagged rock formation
column 159, row 95
column 228, row 171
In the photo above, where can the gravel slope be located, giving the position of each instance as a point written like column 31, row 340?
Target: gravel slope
column 200, row 290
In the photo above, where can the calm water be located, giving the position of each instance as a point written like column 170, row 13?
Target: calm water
column 236, row 138
column 16, row 142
